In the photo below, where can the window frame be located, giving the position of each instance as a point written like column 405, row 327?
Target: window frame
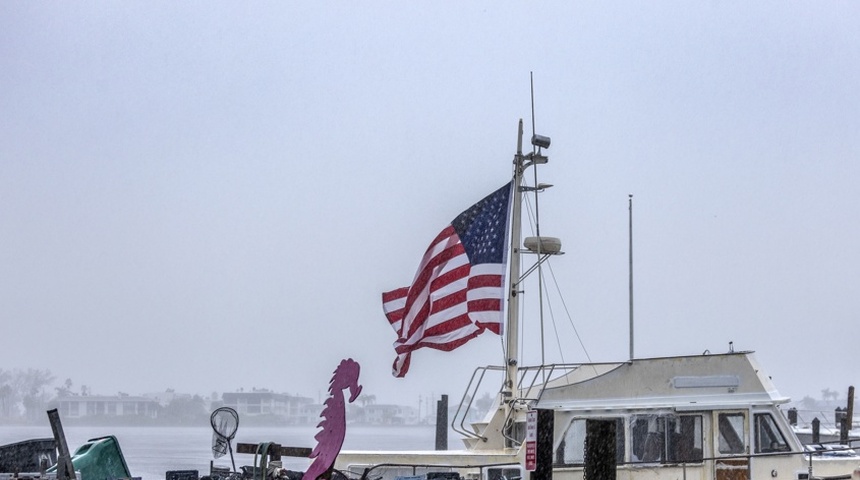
column 774, row 431
column 667, row 436
column 742, row 435
column 620, row 433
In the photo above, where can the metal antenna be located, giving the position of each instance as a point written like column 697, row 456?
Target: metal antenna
column 532, row 82
column 537, row 232
column 630, row 252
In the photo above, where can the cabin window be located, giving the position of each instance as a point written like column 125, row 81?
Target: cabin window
column 666, row 438
column 572, row 449
column 768, row 437
column 684, row 440
column 502, row 473
column 731, row 426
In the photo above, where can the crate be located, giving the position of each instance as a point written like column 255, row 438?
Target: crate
column 181, row 475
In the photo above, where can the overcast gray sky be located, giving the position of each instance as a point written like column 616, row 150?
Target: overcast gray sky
column 213, row 195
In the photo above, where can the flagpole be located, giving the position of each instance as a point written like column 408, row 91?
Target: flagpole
column 512, row 325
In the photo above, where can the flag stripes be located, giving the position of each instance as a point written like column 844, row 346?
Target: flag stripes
column 453, row 298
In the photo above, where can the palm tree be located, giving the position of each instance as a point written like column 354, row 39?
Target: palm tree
column 6, row 400
column 828, row 394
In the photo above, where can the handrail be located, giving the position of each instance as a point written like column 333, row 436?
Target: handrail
column 471, row 397
column 526, row 396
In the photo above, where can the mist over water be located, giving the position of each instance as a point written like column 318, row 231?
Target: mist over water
column 152, row 451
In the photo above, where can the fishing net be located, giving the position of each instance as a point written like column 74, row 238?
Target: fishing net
column 225, row 422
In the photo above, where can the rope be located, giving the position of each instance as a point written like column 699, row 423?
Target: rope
column 263, row 452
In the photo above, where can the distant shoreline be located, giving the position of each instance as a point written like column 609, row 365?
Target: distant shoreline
column 250, row 422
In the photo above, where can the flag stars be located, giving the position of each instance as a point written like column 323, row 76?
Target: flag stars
column 481, row 228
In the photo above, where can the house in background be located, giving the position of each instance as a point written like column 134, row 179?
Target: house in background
column 379, row 414
column 263, row 402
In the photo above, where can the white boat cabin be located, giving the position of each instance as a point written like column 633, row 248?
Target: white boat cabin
column 690, row 417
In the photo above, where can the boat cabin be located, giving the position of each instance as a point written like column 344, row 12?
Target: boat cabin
column 703, row 416
column 690, row 417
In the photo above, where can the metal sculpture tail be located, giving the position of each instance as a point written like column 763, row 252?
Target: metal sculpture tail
column 330, row 438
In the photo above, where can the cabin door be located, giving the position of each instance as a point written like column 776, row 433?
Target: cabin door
column 731, row 445
column 600, row 449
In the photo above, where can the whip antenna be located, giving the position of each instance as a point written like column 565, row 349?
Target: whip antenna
column 532, row 82
column 535, row 150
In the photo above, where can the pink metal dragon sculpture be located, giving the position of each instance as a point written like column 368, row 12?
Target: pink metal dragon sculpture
column 330, row 438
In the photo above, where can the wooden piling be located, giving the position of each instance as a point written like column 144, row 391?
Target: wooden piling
column 816, row 428
column 545, row 436
column 792, row 416
column 65, row 469
column 442, row 423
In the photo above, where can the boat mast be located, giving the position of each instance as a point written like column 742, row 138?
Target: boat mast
column 535, row 245
column 512, row 325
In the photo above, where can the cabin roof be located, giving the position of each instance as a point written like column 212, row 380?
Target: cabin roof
column 697, row 382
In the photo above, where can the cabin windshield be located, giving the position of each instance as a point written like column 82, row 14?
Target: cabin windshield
column 768, row 437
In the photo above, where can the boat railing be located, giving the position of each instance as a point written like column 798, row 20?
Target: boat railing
column 750, row 458
column 531, row 382
column 464, row 408
column 376, row 471
column 810, row 453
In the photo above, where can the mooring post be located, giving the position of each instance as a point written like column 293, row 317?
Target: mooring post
column 442, row 423
column 816, row 425
column 65, row 469
column 545, row 436
column 850, row 415
column 792, row 416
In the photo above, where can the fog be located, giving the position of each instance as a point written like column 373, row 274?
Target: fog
column 213, row 196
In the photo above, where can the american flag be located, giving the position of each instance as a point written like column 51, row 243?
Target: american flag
column 458, row 291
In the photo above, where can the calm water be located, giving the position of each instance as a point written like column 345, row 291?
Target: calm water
column 151, row 451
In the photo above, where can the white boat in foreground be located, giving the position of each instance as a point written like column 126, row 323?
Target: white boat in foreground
column 710, row 416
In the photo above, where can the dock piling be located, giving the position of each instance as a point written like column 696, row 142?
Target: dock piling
column 65, row 469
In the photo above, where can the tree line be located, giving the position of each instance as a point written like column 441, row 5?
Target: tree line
column 23, row 393
column 25, row 397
